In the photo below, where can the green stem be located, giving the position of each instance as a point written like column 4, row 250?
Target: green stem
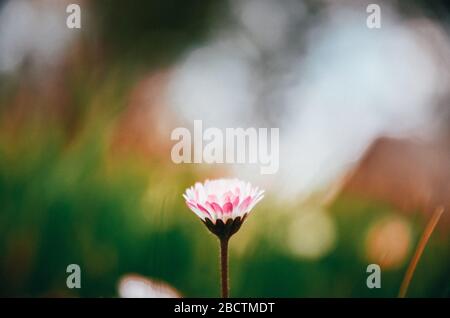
column 224, row 266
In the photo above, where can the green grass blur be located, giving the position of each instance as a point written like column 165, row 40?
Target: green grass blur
column 64, row 203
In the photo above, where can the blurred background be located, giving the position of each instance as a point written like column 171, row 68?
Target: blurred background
column 86, row 115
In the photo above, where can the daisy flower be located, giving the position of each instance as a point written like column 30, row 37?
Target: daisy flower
column 223, row 205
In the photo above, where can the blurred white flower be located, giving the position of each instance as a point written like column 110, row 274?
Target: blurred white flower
column 135, row 286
